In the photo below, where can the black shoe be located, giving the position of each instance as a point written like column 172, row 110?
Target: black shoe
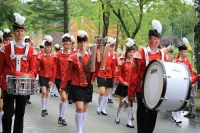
column 63, row 122
column 60, row 120
column 188, row 114
column 110, row 100
column 117, row 122
column 43, row 113
column 46, row 113
column 103, row 113
column 51, row 94
column 130, row 126
column 40, row 90
column 28, row 102
column 55, row 95
column 178, row 122
column 125, row 105
column 191, row 116
column 70, row 102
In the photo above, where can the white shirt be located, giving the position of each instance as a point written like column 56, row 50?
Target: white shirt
column 78, row 54
column 68, row 52
column 19, row 46
column 150, row 51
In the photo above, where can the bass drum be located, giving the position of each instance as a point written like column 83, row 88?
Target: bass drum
column 166, row 86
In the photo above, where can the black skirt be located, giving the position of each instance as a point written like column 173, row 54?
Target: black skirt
column 44, row 81
column 82, row 93
column 121, row 90
column 108, row 82
column 68, row 87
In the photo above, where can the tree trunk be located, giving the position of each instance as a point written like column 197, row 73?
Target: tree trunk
column 106, row 17
column 197, row 37
column 66, row 17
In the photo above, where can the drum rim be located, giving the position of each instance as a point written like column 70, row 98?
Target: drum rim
column 164, row 84
column 190, row 87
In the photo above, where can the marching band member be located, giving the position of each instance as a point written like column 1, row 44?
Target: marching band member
column 62, row 65
column 81, row 87
column 1, row 97
column 45, row 66
column 146, row 119
column 114, row 54
column 27, row 39
column 41, row 51
column 183, row 52
column 7, row 36
column 105, row 78
column 123, row 73
column 54, row 89
column 10, row 55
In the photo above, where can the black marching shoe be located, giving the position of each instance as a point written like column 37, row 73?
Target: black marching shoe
column 55, row 95
column 130, row 126
column 28, row 102
column 43, row 113
column 110, row 100
column 51, row 94
column 125, row 104
column 70, row 101
column 117, row 122
column 191, row 116
column 60, row 120
column 103, row 113
column 46, row 113
column 63, row 122
column 188, row 114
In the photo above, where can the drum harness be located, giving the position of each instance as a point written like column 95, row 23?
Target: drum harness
column 18, row 57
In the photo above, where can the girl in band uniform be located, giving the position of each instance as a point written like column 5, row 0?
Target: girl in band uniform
column 81, row 87
column 123, row 74
column 46, row 67
column 61, row 64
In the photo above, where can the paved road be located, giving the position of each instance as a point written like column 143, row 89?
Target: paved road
column 34, row 123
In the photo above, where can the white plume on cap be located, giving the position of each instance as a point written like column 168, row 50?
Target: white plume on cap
column 1, row 34
column 120, row 52
column 72, row 38
column 19, row 19
column 82, row 33
column 157, row 25
column 66, row 35
column 26, row 37
column 57, row 46
column 130, row 42
column 43, row 43
column 6, row 30
column 48, row 38
column 90, row 45
column 110, row 40
column 185, row 41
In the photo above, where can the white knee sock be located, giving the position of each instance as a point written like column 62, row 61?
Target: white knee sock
column 105, row 100
column 130, row 113
column 60, row 109
column 84, row 115
column 177, row 116
column 1, row 127
column 43, row 100
column 110, row 94
column 46, row 103
column 100, row 98
column 64, row 108
column 78, row 119
column 174, row 115
column 117, row 113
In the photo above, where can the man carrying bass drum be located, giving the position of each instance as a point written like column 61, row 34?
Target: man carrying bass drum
column 146, row 119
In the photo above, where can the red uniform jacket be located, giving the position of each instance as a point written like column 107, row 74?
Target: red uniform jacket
column 8, row 66
column 124, row 71
column 76, row 72
column 187, row 63
column 46, row 66
column 195, row 79
column 61, row 63
column 110, row 68
column 138, row 69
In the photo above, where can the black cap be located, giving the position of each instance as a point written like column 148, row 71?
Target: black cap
column 17, row 26
column 183, row 47
column 65, row 39
column 155, row 33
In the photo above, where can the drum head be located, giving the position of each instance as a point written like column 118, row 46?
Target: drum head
column 153, row 84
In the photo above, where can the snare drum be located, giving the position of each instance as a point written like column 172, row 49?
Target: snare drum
column 21, row 85
column 166, row 86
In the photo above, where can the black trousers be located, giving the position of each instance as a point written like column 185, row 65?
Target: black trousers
column 146, row 119
column 9, row 110
column 28, row 97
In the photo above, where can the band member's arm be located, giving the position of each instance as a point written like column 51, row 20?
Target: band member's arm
column 52, row 79
column 38, row 60
column 68, row 73
column 2, row 58
column 32, row 65
column 165, row 57
column 119, row 72
column 195, row 79
column 190, row 69
column 113, row 67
